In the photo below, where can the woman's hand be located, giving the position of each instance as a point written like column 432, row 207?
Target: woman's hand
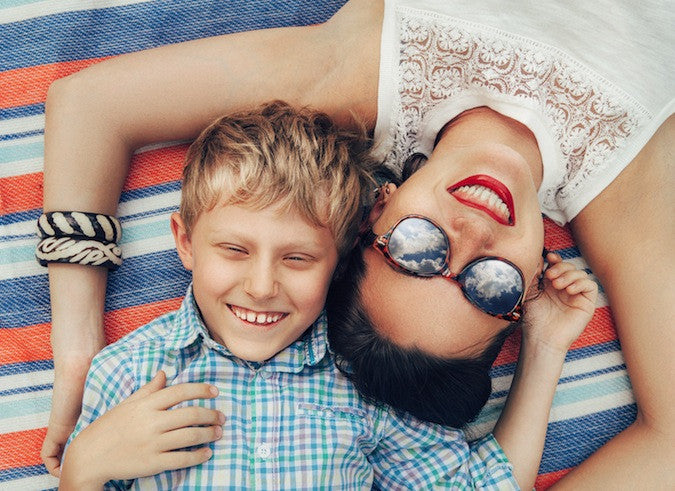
column 69, row 377
column 560, row 313
column 142, row 436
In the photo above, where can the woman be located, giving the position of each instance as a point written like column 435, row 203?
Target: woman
column 344, row 67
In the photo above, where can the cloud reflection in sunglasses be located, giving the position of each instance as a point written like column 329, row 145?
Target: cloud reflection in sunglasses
column 419, row 246
column 495, row 284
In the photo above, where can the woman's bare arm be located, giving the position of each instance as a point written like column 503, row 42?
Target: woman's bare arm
column 96, row 118
column 627, row 235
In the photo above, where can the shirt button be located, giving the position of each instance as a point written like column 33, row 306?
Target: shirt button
column 263, row 451
column 265, row 374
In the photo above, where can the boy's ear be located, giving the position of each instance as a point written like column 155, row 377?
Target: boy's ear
column 182, row 239
column 386, row 192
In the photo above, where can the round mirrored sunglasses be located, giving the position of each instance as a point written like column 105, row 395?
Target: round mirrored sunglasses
column 417, row 246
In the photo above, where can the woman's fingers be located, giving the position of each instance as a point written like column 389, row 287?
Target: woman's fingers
column 175, row 394
column 559, row 268
column 583, row 285
column 190, row 416
column 188, row 437
column 566, row 278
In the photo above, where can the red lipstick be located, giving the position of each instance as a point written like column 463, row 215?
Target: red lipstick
column 492, row 184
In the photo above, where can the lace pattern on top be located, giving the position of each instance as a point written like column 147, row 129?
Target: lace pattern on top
column 441, row 57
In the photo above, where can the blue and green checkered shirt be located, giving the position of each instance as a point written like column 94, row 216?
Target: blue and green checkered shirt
column 293, row 422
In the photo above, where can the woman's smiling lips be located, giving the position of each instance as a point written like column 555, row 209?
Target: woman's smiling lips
column 487, row 194
column 263, row 319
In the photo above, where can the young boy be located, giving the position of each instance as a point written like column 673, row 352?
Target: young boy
column 271, row 201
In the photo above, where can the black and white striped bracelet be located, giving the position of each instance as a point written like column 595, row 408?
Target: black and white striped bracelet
column 95, row 226
column 79, row 238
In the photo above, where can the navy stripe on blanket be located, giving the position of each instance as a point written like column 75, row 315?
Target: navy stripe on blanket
column 22, row 111
column 104, row 32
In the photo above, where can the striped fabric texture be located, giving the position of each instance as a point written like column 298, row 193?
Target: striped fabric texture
column 294, row 422
column 41, row 41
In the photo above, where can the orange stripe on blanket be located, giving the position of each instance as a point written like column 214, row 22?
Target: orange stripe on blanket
column 545, row 481
column 21, row 448
column 24, row 344
column 24, row 192
column 599, row 330
column 156, row 167
column 20, row 193
column 25, row 86
column 121, row 322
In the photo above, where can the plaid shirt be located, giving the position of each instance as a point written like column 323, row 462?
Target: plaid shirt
column 293, row 422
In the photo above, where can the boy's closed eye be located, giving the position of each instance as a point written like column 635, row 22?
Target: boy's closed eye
column 299, row 261
column 233, row 250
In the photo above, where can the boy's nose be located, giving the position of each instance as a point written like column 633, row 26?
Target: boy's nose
column 470, row 237
column 260, row 282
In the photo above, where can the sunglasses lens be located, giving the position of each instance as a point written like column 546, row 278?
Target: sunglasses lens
column 494, row 286
column 418, row 246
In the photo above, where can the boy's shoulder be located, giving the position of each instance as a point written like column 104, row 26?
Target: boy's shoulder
column 152, row 335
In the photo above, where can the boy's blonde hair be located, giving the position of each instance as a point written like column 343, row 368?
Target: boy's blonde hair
column 279, row 155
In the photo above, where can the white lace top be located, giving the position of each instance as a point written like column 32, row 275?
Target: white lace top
column 592, row 81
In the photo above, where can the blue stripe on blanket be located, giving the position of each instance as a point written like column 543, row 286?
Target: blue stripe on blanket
column 570, row 442
column 21, row 111
column 26, row 367
column 144, row 279
column 22, row 134
column 26, row 390
column 111, row 31
column 22, row 472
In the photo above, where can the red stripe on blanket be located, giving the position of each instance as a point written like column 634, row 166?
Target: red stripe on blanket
column 121, row 322
column 21, row 448
column 545, row 481
column 25, row 86
column 24, row 192
column 556, row 237
column 599, row 330
column 23, row 344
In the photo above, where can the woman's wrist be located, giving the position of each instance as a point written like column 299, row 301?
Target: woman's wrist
column 544, row 348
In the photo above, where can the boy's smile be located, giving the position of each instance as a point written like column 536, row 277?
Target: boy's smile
column 260, row 277
column 256, row 318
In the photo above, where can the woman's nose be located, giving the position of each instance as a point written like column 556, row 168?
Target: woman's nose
column 260, row 282
column 470, row 237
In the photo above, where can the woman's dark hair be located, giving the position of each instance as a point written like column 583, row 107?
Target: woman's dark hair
column 446, row 391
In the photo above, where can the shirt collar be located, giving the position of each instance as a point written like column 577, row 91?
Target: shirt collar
column 188, row 324
column 309, row 350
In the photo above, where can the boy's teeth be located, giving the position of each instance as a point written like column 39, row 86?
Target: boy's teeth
column 253, row 317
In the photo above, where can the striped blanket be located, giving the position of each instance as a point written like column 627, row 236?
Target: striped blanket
column 42, row 40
